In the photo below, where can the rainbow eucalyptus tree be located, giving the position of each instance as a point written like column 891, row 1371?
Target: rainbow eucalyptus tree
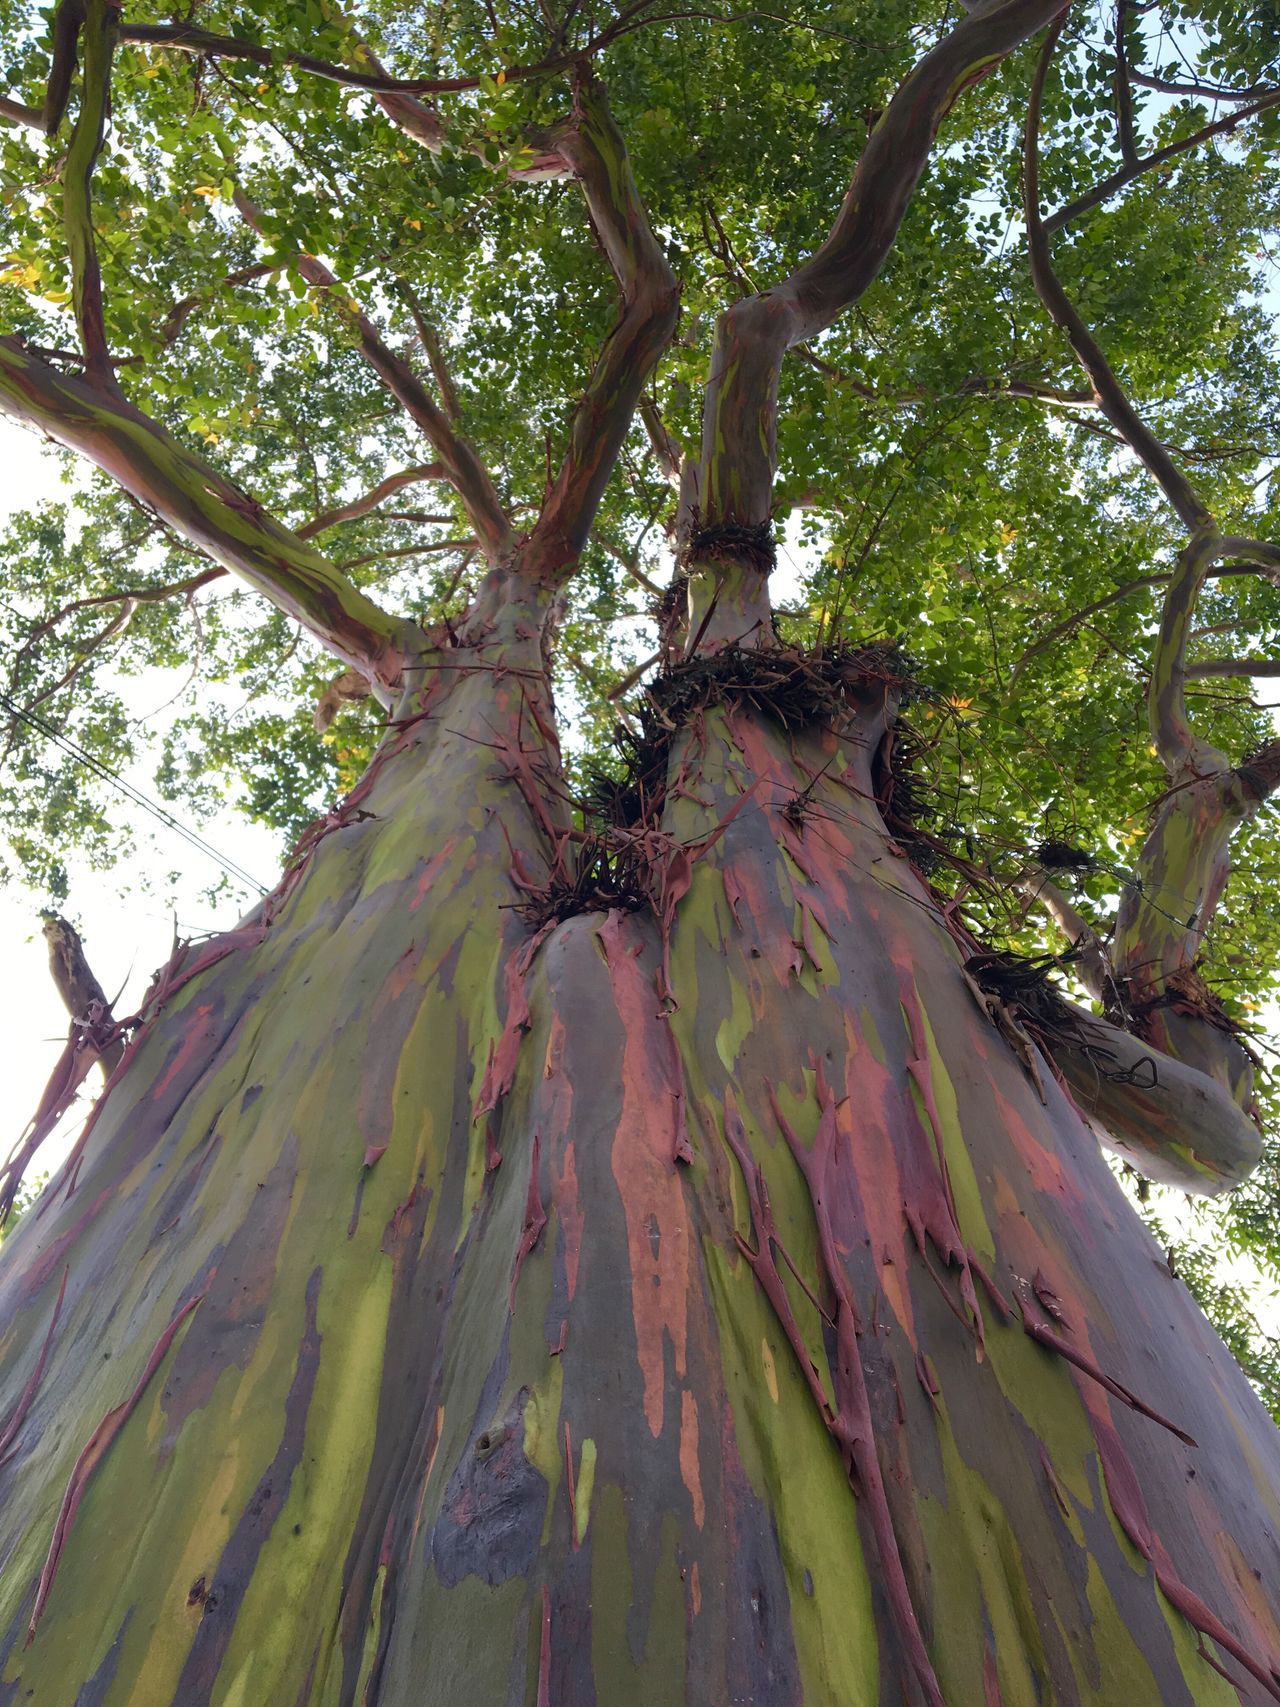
column 628, row 1223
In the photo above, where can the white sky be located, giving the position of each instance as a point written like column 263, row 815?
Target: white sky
column 127, row 931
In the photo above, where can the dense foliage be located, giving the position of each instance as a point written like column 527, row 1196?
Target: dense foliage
column 945, row 478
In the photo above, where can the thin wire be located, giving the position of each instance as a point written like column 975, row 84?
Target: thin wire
column 130, row 793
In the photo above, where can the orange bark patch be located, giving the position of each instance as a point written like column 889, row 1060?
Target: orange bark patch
column 648, row 1184
column 689, row 1468
column 190, row 1044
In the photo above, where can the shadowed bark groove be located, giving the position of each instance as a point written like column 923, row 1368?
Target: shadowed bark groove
column 690, row 1304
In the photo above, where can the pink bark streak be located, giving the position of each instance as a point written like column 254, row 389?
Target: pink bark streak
column 18, row 1414
column 852, row 1427
column 535, row 1219
column 689, row 1467
column 500, row 1071
column 653, row 1202
column 571, row 1219
column 94, row 1451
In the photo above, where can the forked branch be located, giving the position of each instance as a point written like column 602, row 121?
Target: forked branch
column 739, row 422
column 462, row 467
column 593, row 145
column 1182, row 868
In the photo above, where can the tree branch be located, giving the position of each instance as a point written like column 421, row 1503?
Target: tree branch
column 594, row 147
column 1107, row 389
column 739, row 422
column 1202, row 91
column 371, row 499
column 1172, row 1121
column 666, row 452
column 204, row 508
column 1182, row 868
column 1078, row 619
column 66, row 29
column 1181, row 752
column 462, row 467
column 428, row 548
column 14, row 113
column 1094, row 965
column 433, row 349
column 1068, row 625
column 627, row 563
column 82, row 995
column 1234, row 667
column 187, row 39
column 100, row 25
column 1123, row 90
column 177, row 317
column 1107, row 187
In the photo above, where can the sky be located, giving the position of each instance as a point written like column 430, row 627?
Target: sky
column 127, row 922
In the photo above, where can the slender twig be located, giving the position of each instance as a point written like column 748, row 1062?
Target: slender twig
column 1107, row 187
column 433, row 349
column 1201, row 91
column 626, row 563
column 428, row 548
column 463, row 468
column 371, row 499
column 596, row 150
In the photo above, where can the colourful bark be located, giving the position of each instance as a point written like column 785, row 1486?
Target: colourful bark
column 402, row 1357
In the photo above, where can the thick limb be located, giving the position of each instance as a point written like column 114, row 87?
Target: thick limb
column 728, row 500
column 204, row 508
column 1174, row 1123
column 649, row 302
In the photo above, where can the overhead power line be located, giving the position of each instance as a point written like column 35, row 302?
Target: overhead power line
column 96, row 766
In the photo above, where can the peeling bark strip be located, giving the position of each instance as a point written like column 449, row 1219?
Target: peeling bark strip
column 535, row 1219
column 93, row 1452
column 16, row 1416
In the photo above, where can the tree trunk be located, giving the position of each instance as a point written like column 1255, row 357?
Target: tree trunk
column 696, row 1303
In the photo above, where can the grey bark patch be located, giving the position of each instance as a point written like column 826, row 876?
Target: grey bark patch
column 490, row 1523
column 95, row 1691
